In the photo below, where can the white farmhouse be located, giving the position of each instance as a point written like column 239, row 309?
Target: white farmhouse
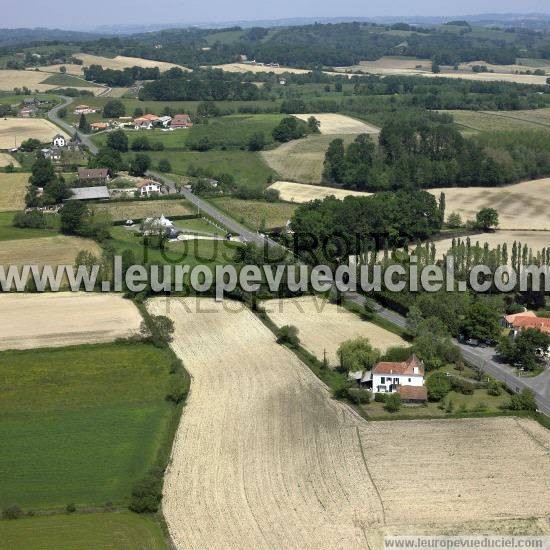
column 59, row 141
column 406, row 378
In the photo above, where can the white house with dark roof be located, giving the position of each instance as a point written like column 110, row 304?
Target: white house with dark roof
column 59, row 140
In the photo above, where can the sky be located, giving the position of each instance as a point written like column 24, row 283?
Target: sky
column 66, row 14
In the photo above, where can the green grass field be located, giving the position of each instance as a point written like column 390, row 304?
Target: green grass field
column 473, row 122
column 254, row 213
column 10, row 233
column 81, row 424
column 248, row 168
column 101, row 531
column 68, row 81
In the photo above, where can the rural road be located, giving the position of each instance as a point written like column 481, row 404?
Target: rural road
column 53, row 115
column 482, row 357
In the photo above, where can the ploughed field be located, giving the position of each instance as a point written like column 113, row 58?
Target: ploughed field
column 265, row 458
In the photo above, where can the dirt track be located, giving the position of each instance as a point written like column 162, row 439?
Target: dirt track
column 264, row 458
column 64, row 319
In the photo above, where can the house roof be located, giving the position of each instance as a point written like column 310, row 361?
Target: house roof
column 88, row 193
column 528, row 321
column 404, row 367
column 99, row 125
column 149, row 116
column 511, row 318
column 143, row 183
column 82, row 107
column 413, row 393
column 92, row 173
column 181, row 119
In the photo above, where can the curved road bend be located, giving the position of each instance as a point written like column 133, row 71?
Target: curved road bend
column 53, row 115
column 484, row 358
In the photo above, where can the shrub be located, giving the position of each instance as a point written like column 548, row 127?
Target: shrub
column 177, row 392
column 71, row 508
column 288, row 334
column 524, row 401
column 147, row 493
column 33, row 219
column 359, row 396
column 380, row 397
column 164, row 165
column 493, row 387
column 393, row 403
column 438, row 386
column 341, row 390
column 12, row 512
column 462, row 386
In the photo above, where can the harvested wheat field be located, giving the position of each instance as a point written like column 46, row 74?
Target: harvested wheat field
column 31, row 79
column 246, row 68
column 13, row 131
column 265, row 458
column 6, row 160
column 333, row 123
column 301, row 159
column 301, row 192
column 523, row 205
column 13, row 188
column 70, row 68
column 64, row 319
column 537, row 240
column 324, row 326
column 491, row 77
column 121, row 62
column 58, row 250
column 142, row 209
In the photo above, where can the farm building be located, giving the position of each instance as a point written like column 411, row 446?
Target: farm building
column 98, row 126
column 148, row 188
column 89, row 193
column 145, row 122
column 96, row 175
column 84, row 110
column 181, row 121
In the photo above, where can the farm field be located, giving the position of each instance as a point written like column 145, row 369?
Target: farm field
column 333, row 123
column 245, row 68
column 472, row 122
column 301, row 192
column 40, row 81
column 82, row 424
column 125, row 210
column 389, row 64
column 491, row 77
column 329, row 485
column 44, row 250
column 254, row 213
column 267, row 415
column 247, row 167
column 6, row 160
column 537, row 240
column 302, row 159
column 121, row 62
column 13, row 131
column 324, row 326
column 522, row 205
column 65, row 319
column 101, row 531
column 13, row 188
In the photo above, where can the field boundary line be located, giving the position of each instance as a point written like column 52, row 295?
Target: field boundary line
column 531, row 435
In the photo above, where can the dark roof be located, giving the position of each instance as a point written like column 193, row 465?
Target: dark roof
column 92, row 173
column 89, row 193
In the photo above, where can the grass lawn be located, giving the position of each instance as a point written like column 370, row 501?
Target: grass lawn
column 192, row 252
column 101, row 531
column 255, row 213
column 81, row 424
column 10, row 233
column 198, row 226
column 248, row 168
column 139, row 209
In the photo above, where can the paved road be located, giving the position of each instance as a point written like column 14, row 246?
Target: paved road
column 53, row 115
column 234, row 227
column 482, row 357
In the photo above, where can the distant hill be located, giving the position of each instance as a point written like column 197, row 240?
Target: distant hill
column 12, row 37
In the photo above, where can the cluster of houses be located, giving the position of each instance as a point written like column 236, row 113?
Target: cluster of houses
column 518, row 322
column 30, row 106
column 405, row 378
column 61, row 143
column 144, row 122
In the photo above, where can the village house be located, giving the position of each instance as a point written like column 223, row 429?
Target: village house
column 59, row 140
column 181, row 121
column 148, row 188
column 53, row 154
column 405, row 378
column 526, row 319
column 84, row 110
column 28, row 111
column 75, row 143
column 145, row 122
column 99, row 126
column 93, row 175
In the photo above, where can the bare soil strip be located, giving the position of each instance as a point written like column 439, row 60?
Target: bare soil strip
column 64, row 319
column 334, row 124
column 301, row 192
